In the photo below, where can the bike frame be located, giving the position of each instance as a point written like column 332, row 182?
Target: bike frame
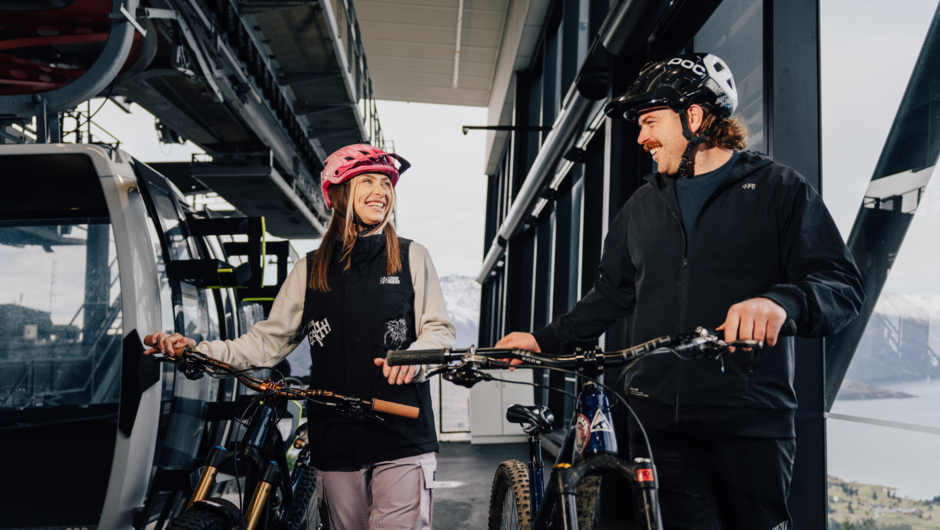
column 590, row 448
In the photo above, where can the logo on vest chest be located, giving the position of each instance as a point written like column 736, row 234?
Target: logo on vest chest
column 318, row 330
column 396, row 332
column 389, row 280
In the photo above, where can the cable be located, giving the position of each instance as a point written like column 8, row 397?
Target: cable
column 79, row 126
column 539, row 385
column 616, row 394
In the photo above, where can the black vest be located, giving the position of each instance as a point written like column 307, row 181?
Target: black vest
column 366, row 313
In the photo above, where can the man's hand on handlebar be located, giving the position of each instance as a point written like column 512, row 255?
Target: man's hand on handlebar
column 397, row 375
column 754, row 319
column 169, row 344
column 518, row 340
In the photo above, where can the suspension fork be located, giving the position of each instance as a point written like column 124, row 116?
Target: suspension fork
column 270, row 477
column 217, row 456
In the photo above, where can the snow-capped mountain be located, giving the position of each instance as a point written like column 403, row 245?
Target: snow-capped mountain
column 901, row 341
column 462, row 296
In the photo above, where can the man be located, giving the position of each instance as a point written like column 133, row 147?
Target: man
column 717, row 236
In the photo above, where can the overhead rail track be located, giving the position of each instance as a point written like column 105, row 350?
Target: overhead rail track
column 252, row 82
column 629, row 27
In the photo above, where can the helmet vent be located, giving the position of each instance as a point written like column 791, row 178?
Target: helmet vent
column 348, row 158
column 718, row 66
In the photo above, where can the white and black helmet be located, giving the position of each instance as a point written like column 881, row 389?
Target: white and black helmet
column 683, row 80
column 677, row 83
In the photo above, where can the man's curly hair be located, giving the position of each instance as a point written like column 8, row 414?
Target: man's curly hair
column 729, row 133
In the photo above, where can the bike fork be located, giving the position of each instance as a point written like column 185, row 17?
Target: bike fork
column 270, row 476
column 216, row 457
column 567, row 492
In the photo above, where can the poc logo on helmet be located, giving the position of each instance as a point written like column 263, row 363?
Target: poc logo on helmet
column 685, row 63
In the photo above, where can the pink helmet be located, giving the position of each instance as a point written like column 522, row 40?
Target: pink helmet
column 357, row 159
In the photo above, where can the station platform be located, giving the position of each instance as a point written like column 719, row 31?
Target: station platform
column 464, row 478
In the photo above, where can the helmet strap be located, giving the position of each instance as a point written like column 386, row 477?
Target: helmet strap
column 687, row 166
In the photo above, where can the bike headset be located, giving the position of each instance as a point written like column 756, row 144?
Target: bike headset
column 678, row 83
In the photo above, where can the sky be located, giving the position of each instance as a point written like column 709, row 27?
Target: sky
column 441, row 199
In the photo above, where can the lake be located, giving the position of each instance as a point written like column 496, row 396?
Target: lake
column 895, row 458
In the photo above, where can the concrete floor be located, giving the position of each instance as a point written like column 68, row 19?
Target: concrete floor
column 473, row 466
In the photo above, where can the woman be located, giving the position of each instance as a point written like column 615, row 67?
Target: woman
column 363, row 292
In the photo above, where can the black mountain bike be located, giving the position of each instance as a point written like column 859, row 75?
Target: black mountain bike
column 279, row 499
column 519, row 498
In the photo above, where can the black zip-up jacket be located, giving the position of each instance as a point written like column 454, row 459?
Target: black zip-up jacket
column 764, row 232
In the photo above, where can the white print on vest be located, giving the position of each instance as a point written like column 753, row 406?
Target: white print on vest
column 749, row 186
column 318, row 331
column 389, row 280
column 396, row 332
column 782, row 526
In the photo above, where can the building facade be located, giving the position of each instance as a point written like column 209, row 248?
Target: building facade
column 559, row 172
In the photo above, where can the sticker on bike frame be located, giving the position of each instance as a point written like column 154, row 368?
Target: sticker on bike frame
column 600, row 423
column 644, row 475
column 583, row 433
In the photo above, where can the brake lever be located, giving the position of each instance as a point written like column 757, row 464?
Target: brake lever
column 465, row 375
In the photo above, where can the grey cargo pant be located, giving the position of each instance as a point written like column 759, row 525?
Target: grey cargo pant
column 391, row 495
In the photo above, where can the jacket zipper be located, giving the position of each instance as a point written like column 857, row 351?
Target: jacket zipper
column 682, row 281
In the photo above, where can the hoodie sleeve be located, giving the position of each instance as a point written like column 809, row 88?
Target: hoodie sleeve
column 612, row 297
column 825, row 290
column 433, row 325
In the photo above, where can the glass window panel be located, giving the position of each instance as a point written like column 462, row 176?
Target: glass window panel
column 735, row 32
column 898, row 353
column 889, row 475
column 60, row 314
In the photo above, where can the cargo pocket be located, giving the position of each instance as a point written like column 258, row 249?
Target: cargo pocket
column 428, row 465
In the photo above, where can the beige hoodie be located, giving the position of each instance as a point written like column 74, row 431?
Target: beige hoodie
column 275, row 338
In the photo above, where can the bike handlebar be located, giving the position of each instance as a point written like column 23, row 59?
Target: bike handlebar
column 195, row 358
column 697, row 341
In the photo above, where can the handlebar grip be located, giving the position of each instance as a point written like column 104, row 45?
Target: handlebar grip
column 396, row 409
column 788, row 329
column 404, row 357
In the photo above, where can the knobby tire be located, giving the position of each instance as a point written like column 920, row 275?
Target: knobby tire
column 198, row 518
column 304, row 516
column 510, row 505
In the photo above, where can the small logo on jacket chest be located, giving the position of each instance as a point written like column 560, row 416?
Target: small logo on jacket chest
column 389, row 280
column 749, row 186
column 318, row 330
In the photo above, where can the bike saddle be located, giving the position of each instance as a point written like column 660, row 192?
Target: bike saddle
column 536, row 415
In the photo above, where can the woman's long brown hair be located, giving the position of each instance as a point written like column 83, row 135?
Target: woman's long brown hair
column 343, row 226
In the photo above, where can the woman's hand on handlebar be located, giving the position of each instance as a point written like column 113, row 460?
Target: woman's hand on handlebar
column 170, row 345
column 397, row 375
column 754, row 319
column 519, row 340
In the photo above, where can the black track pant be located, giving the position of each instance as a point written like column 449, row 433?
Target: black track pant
column 729, row 483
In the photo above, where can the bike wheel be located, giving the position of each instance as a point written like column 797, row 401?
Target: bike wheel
column 304, row 514
column 199, row 518
column 510, row 506
column 588, row 499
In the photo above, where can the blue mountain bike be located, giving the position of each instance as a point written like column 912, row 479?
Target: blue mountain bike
column 521, row 499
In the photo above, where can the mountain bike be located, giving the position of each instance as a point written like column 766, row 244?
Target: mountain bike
column 280, row 499
column 520, row 498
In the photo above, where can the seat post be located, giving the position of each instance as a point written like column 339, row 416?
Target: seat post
column 535, row 467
